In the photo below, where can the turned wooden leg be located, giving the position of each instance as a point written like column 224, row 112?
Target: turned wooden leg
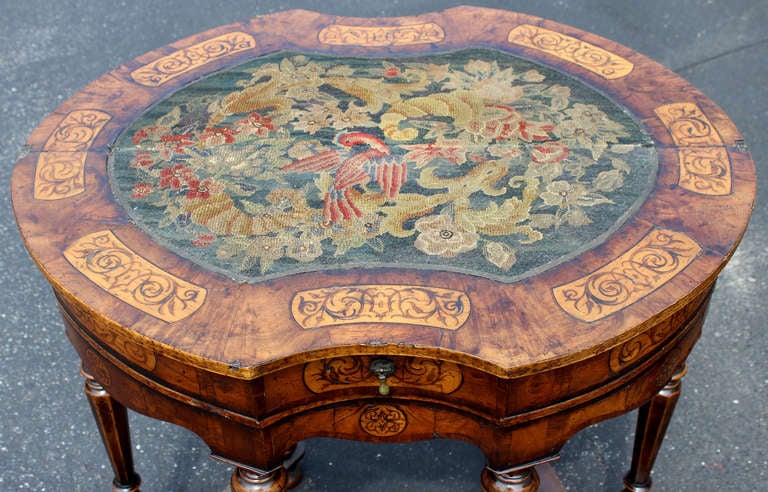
column 652, row 421
column 112, row 420
column 292, row 467
column 248, row 480
column 522, row 480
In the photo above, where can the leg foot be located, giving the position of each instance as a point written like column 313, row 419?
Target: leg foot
column 264, row 481
column 524, row 480
column 652, row 421
column 112, row 420
column 293, row 467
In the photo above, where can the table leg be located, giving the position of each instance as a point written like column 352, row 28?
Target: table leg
column 112, row 420
column 249, row 480
column 293, row 467
column 522, row 480
column 652, row 421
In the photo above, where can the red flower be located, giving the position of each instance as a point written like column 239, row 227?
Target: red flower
column 549, row 153
column 199, row 190
column 139, row 136
column 177, row 142
column 256, row 124
column 451, row 150
column 218, row 136
column 391, row 72
column 176, row 176
column 533, row 131
column 142, row 159
column 141, row 190
column 204, row 240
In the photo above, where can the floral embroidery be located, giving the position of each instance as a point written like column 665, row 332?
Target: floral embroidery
column 176, row 176
column 218, row 136
column 255, row 124
column 141, row 190
column 143, row 159
column 201, row 190
column 204, row 240
column 441, row 236
column 474, row 161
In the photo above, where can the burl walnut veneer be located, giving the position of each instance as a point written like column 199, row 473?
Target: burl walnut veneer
column 472, row 224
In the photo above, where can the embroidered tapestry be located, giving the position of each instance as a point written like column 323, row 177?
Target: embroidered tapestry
column 472, row 161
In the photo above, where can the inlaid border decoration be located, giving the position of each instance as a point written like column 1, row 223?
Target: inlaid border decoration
column 705, row 167
column 705, row 170
column 60, row 169
column 339, row 34
column 355, row 371
column 383, row 421
column 179, row 62
column 688, row 125
column 604, row 63
column 114, row 267
column 411, row 304
column 633, row 350
column 648, row 265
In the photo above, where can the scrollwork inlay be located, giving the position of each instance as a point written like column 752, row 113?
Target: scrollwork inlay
column 411, row 304
column 354, row 371
column 60, row 170
column 651, row 263
column 604, row 63
column 705, row 170
column 705, row 167
column 688, row 125
column 383, row 421
column 633, row 350
column 111, row 265
column 339, row 34
column 179, row 62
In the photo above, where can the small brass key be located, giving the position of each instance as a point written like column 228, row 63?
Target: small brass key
column 383, row 368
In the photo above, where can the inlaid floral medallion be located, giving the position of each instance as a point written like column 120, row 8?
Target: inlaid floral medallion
column 472, row 161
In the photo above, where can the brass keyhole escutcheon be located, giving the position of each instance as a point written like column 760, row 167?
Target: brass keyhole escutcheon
column 382, row 368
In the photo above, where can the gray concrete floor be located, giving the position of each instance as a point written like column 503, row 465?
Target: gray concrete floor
column 717, row 440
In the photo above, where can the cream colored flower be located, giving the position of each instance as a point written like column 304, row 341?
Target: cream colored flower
column 304, row 249
column 562, row 193
column 267, row 249
column 589, row 128
column 312, row 120
column 441, row 236
column 352, row 117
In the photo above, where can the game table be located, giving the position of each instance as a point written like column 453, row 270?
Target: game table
column 472, row 224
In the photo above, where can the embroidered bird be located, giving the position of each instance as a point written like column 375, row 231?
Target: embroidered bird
column 366, row 159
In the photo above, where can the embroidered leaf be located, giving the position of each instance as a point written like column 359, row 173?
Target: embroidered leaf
column 253, row 208
column 622, row 148
column 324, row 182
column 592, row 199
column 170, row 119
column 499, row 254
column 345, row 243
column 608, row 181
column 621, row 165
column 598, row 147
column 577, row 217
column 542, row 221
column 376, row 243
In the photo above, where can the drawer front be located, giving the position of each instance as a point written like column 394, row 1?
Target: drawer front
column 354, row 377
column 357, row 372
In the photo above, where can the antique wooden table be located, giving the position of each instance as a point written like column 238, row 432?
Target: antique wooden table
column 472, row 224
